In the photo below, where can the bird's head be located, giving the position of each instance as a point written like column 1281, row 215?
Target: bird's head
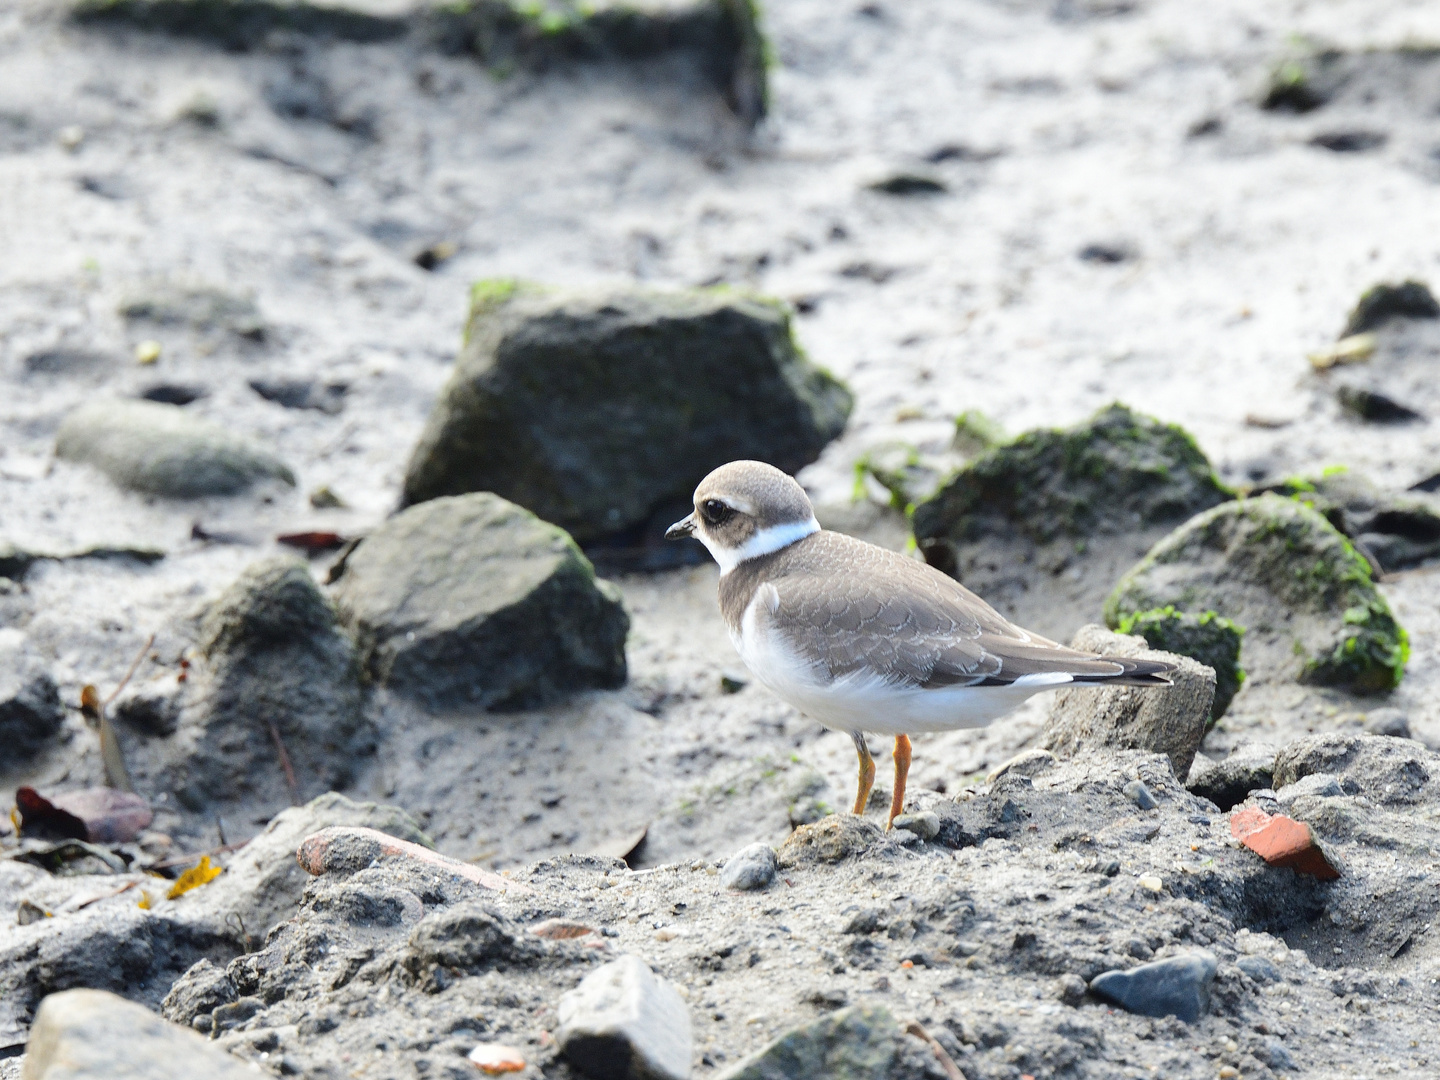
column 744, row 510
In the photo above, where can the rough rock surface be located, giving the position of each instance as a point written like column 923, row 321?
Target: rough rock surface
column 1305, row 598
column 857, row 1043
column 1042, row 526
column 622, row 1021
column 279, row 672
column 600, row 411
column 1178, row 986
column 1388, row 771
column 160, row 450
column 95, row 1035
column 472, row 600
column 1169, row 720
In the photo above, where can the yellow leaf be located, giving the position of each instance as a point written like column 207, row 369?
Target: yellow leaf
column 194, row 878
column 144, row 904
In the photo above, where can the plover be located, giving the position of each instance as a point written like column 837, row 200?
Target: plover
column 861, row 638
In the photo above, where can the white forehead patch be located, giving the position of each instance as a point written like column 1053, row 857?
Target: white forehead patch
column 762, row 543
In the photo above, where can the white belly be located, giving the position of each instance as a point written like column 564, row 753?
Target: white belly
column 866, row 702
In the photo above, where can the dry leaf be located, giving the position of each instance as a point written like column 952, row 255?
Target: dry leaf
column 198, row 875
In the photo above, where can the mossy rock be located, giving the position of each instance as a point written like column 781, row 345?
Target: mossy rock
column 1383, row 302
column 1397, row 530
column 472, row 601
column 855, row 1043
column 1207, row 637
column 1043, row 525
column 601, row 411
column 1276, row 567
column 724, row 36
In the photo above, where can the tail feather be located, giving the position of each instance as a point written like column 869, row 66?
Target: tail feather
column 1133, row 673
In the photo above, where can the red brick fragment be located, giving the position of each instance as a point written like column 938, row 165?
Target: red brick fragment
column 351, row 848
column 1282, row 841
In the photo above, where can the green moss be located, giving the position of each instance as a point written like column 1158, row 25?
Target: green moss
column 975, row 432
column 1207, row 637
column 1116, row 470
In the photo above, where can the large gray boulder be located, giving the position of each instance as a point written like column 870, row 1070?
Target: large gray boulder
column 95, row 1035
column 471, row 600
column 1277, row 568
column 1169, row 720
column 600, row 411
column 277, row 668
column 1042, row 526
column 162, row 450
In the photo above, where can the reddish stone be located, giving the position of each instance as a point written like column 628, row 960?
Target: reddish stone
column 1282, row 841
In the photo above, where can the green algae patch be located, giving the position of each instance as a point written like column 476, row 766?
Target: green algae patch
column 1278, row 568
column 1117, row 471
column 1207, row 637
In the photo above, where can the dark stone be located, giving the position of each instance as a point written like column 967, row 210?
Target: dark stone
column 1380, row 304
column 278, row 669
column 595, row 410
column 30, row 709
column 1178, row 986
column 173, row 393
column 1110, row 254
column 909, row 184
column 1374, row 406
column 1350, row 142
column 472, row 600
column 1396, row 530
column 858, row 1043
column 302, row 394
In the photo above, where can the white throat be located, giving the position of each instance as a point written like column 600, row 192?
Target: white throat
column 762, row 543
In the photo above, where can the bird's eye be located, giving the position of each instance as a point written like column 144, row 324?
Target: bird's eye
column 716, row 512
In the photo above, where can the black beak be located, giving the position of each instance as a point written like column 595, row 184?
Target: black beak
column 682, row 528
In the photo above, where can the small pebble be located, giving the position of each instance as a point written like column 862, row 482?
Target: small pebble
column 322, row 498
column 732, row 684
column 1151, row 883
column 1140, row 795
column 925, row 824
column 71, row 136
column 496, row 1058
column 1228, row 1072
column 750, row 868
column 147, row 352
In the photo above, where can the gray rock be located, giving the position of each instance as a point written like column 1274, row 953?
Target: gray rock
column 924, row 824
column 623, row 1022
column 750, row 868
column 472, row 600
column 1042, row 526
column 831, row 839
column 1388, row 721
column 94, row 1035
column 163, row 450
column 1383, row 302
column 277, row 667
column 1250, row 766
column 1140, row 795
column 263, row 883
column 1279, row 569
column 1178, row 986
column 601, row 412
column 1320, row 785
column 1209, row 638
column 199, row 307
column 1260, row 968
column 1389, row 771
column 30, row 709
column 858, row 1043
column 1169, row 721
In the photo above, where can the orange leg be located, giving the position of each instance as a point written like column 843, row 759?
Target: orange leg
column 902, row 771
column 867, row 772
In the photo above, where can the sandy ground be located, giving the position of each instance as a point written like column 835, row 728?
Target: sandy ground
column 1066, row 124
